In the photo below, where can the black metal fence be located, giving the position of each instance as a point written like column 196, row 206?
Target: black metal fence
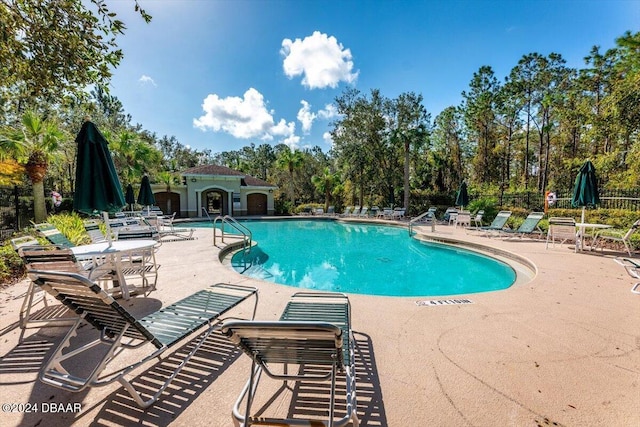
column 9, row 211
column 609, row 199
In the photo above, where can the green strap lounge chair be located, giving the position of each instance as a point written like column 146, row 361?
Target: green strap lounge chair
column 48, row 257
column 311, row 342
column 529, row 226
column 53, row 235
column 497, row 225
column 120, row 331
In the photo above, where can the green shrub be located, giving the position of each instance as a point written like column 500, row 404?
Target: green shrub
column 11, row 266
column 283, row 207
column 488, row 205
column 72, row 226
column 307, row 208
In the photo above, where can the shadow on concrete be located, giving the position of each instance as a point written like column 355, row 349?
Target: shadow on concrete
column 214, row 356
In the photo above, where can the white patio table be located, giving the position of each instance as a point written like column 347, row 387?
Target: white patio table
column 114, row 252
column 581, row 226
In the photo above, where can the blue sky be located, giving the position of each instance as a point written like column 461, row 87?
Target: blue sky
column 220, row 75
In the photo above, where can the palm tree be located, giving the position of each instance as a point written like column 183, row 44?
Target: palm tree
column 325, row 183
column 33, row 146
column 168, row 178
column 132, row 156
column 290, row 160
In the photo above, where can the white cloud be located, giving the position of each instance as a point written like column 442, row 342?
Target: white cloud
column 321, row 59
column 147, row 80
column 330, row 111
column 292, row 141
column 306, row 116
column 244, row 118
column 327, row 138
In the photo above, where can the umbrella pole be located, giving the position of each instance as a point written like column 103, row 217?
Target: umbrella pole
column 582, row 230
column 105, row 216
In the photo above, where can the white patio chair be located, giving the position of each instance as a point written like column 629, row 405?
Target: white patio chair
column 561, row 229
column 615, row 236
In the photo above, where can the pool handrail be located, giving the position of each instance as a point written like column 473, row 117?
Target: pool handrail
column 247, row 237
column 431, row 219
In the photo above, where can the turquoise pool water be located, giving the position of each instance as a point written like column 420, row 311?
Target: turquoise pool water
column 365, row 259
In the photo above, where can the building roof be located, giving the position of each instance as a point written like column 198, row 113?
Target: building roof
column 217, row 170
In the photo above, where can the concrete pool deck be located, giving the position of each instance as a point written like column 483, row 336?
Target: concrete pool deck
column 560, row 349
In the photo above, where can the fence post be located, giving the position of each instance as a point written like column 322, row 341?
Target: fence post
column 16, row 202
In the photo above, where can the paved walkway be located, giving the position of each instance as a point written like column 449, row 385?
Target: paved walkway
column 560, row 349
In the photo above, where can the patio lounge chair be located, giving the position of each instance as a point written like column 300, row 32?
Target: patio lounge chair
column 562, row 229
column 50, row 257
column 119, row 331
column 314, row 331
column 23, row 241
column 633, row 269
column 615, row 236
column 92, row 227
column 450, row 215
column 53, row 235
column 528, row 227
column 385, row 213
column 398, row 213
column 477, row 219
column 498, row 224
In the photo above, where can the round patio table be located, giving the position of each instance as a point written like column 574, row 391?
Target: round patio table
column 114, row 252
column 581, row 227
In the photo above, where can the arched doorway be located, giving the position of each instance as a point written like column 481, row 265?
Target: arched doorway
column 256, row 204
column 168, row 202
column 216, row 202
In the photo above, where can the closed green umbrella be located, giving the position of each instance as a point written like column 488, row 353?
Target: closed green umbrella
column 462, row 198
column 97, row 186
column 129, row 197
column 585, row 191
column 145, row 196
column 585, row 188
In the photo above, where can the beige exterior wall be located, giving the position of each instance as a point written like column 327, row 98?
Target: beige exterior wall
column 192, row 194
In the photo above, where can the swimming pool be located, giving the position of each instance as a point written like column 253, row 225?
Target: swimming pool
column 365, row 259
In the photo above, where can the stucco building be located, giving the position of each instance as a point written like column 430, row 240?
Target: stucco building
column 219, row 190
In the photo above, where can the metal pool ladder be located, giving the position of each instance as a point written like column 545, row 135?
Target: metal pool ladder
column 247, row 237
column 425, row 217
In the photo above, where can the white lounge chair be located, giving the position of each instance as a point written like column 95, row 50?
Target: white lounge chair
column 51, row 257
column 398, row 213
column 311, row 342
column 623, row 237
column 70, row 369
